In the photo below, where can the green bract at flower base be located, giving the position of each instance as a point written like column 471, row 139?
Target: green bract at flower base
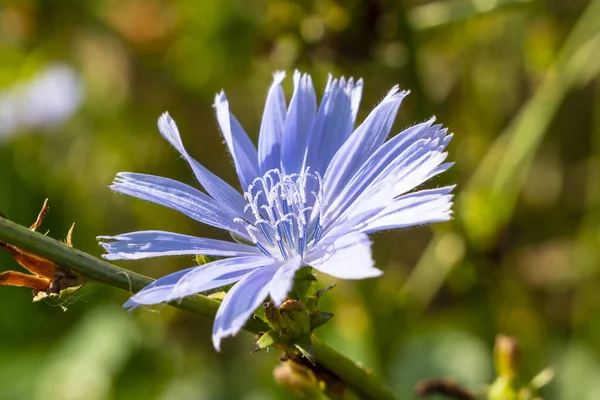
column 292, row 324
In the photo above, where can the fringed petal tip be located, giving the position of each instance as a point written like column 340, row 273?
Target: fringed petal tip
column 130, row 177
column 220, row 99
column 105, row 246
column 302, row 79
column 104, row 241
column 165, row 119
column 413, row 209
column 117, row 180
column 349, row 86
column 394, row 94
column 278, row 77
column 297, row 75
column 168, row 129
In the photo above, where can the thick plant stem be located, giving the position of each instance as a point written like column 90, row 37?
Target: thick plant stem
column 363, row 382
column 359, row 379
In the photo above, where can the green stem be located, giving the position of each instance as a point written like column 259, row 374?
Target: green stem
column 361, row 381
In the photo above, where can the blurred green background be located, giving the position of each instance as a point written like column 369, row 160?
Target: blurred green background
column 83, row 82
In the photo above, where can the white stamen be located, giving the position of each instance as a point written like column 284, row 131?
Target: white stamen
column 280, row 208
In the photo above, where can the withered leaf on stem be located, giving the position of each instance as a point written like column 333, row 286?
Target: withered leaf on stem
column 47, row 278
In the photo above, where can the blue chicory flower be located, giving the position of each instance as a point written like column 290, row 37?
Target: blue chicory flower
column 314, row 189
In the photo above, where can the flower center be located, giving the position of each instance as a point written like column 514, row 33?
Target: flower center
column 286, row 210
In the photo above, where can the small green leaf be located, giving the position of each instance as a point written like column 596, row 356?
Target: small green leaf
column 321, row 292
column 313, row 301
column 318, row 318
column 305, row 346
column 268, row 339
column 260, row 314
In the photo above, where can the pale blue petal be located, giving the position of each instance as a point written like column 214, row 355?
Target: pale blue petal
column 362, row 143
column 378, row 198
column 240, row 302
column 368, row 203
column 420, row 171
column 179, row 197
column 412, row 209
column 239, row 144
column 157, row 291
column 346, row 257
column 219, row 273
column 146, row 244
column 271, row 128
column 196, row 280
column 298, row 124
column 404, row 162
column 356, row 96
column 334, row 122
column 283, row 280
column 215, row 186
column 413, row 171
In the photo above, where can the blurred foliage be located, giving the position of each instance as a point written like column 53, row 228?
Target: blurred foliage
column 517, row 81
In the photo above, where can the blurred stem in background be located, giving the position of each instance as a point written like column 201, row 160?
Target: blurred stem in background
column 363, row 382
column 488, row 199
column 440, row 13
